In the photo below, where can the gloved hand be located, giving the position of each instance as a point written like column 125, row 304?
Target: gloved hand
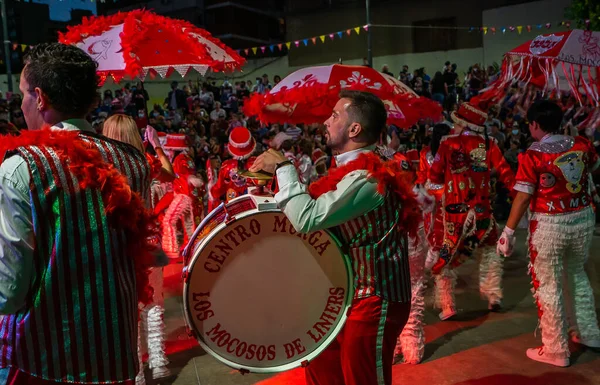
column 152, row 136
column 426, row 201
column 506, row 243
column 432, row 258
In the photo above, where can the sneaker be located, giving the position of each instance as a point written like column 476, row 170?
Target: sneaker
column 160, row 372
column 537, row 354
column 495, row 307
column 594, row 343
column 447, row 313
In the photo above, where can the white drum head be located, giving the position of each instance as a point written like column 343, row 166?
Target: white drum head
column 262, row 298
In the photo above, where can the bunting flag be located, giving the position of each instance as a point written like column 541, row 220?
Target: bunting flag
column 348, row 32
column 280, row 46
column 366, row 27
column 493, row 29
column 288, row 45
column 485, row 29
column 357, row 29
column 297, row 43
column 272, row 48
column 331, row 36
column 314, row 40
column 246, row 51
column 548, row 25
column 305, row 41
column 263, row 48
column 503, row 30
column 528, row 28
column 340, row 34
column 519, row 29
column 254, row 50
column 322, row 37
column 15, row 46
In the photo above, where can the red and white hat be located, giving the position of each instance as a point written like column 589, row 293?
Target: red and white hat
column 162, row 138
column 318, row 156
column 471, row 115
column 176, row 142
column 241, row 143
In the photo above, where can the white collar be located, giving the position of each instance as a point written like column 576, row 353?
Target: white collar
column 551, row 138
column 349, row 156
column 73, row 125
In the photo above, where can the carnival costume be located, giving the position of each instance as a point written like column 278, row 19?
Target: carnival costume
column 374, row 233
column 230, row 184
column 91, row 255
column 463, row 165
column 411, row 342
column 555, row 172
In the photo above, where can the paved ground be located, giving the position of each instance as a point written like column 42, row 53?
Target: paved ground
column 477, row 348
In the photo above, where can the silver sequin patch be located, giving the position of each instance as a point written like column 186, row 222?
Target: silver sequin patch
column 565, row 143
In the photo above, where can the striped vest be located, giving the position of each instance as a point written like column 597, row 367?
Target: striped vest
column 80, row 320
column 378, row 251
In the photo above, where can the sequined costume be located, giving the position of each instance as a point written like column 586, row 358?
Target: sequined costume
column 432, row 220
column 555, row 172
column 463, row 164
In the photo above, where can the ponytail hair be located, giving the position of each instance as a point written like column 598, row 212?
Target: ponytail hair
column 439, row 131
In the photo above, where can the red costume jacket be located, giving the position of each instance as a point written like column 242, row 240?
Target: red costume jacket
column 555, row 171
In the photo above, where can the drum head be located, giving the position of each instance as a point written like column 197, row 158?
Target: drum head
column 263, row 298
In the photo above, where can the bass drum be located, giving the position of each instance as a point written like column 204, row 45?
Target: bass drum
column 259, row 296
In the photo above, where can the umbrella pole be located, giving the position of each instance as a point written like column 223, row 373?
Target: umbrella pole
column 145, row 101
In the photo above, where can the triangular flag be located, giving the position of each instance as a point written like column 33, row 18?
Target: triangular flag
column 348, row 32
column 246, row 51
column 162, row 71
column 23, row 47
column 15, row 45
column 493, row 29
column 366, row 27
column 305, row 41
column 254, row 49
column 528, row 28
column 314, row 40
column 279, row 46
column 263, row 49
column 539, row 26
column 288, row 45
column 182, row 70
column 30, row 47
column 297, row 43
column 568, row 24
column 511, row 28
column 519, row 29
column 485, row 29
column 548, row 25
column 503, row 30
column 340, row 34
column 322, row 37
column 272, row 48
column 331, row 35
column 357, row 29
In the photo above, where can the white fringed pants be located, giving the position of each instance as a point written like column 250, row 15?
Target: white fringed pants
column 558, row 249
column 180, row 211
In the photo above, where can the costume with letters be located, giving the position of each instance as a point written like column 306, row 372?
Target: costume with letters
column 555, row 172
column 376, row 243
column 463, row 165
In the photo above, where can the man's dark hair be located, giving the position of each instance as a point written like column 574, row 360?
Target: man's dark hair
column 547, row 114
column 368, row 110
column 287, row 145
column 65, row 74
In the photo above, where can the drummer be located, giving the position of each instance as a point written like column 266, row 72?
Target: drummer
column 367, row 206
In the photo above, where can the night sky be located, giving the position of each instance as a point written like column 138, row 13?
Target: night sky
column 61, row 9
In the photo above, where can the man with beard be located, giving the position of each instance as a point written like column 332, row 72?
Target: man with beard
column 367, row 204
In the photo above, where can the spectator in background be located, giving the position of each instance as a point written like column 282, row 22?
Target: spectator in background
column 497, row 134
column 512, row 155
column 386, row 70
column 218, row 113
column 276, row 79
column 405, row 76
column 439, row 88
column 294, row 131
column 176, row 99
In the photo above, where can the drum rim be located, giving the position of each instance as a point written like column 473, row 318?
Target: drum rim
column 280, row 368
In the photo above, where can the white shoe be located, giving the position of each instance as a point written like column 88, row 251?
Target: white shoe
column 160, row 372
column 595, row 343
column 447, row 313
column 537, row 354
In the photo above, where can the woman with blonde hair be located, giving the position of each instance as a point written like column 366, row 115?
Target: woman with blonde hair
column 124, row 129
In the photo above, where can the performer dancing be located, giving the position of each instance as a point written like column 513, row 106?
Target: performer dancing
column 74, row 250
column 553, row 180
column 370, row 208
column 463, row 163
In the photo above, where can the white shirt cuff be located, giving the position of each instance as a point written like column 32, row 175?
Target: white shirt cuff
column 524, row 187
column 286, row 175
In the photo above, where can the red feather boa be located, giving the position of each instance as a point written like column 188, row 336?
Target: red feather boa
column 389, row 176
column 124, row 208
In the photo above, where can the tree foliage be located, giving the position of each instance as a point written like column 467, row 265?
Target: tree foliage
column 582, row 10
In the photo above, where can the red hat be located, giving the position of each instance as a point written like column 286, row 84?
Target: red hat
column 176, row 142
column 471, row 115
column 318, row 156
column 183, row 164
column 241, row 143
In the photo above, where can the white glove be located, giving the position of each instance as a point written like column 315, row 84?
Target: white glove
column 152, row 136
column 426, row 201
column 506, row 243
column 432, row 258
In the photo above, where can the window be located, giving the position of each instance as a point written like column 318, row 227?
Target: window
column 427, row 38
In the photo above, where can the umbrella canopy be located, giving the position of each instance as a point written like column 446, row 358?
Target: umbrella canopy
column 309, row 95
column 564, row 61
column 137, row 42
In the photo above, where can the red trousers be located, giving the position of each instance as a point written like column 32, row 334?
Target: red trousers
column 363, row 352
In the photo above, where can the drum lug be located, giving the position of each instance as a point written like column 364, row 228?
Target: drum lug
column 244, row 371
column 191, row 333
column 230, row 220
column 304, row 363
column 184, row 274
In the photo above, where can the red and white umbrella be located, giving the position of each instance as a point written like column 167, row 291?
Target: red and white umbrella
column 309, row 95
column 564, row 61
column 138, row 42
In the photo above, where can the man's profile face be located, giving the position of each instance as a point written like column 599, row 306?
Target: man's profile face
column 337, row 125
column 29, row 104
